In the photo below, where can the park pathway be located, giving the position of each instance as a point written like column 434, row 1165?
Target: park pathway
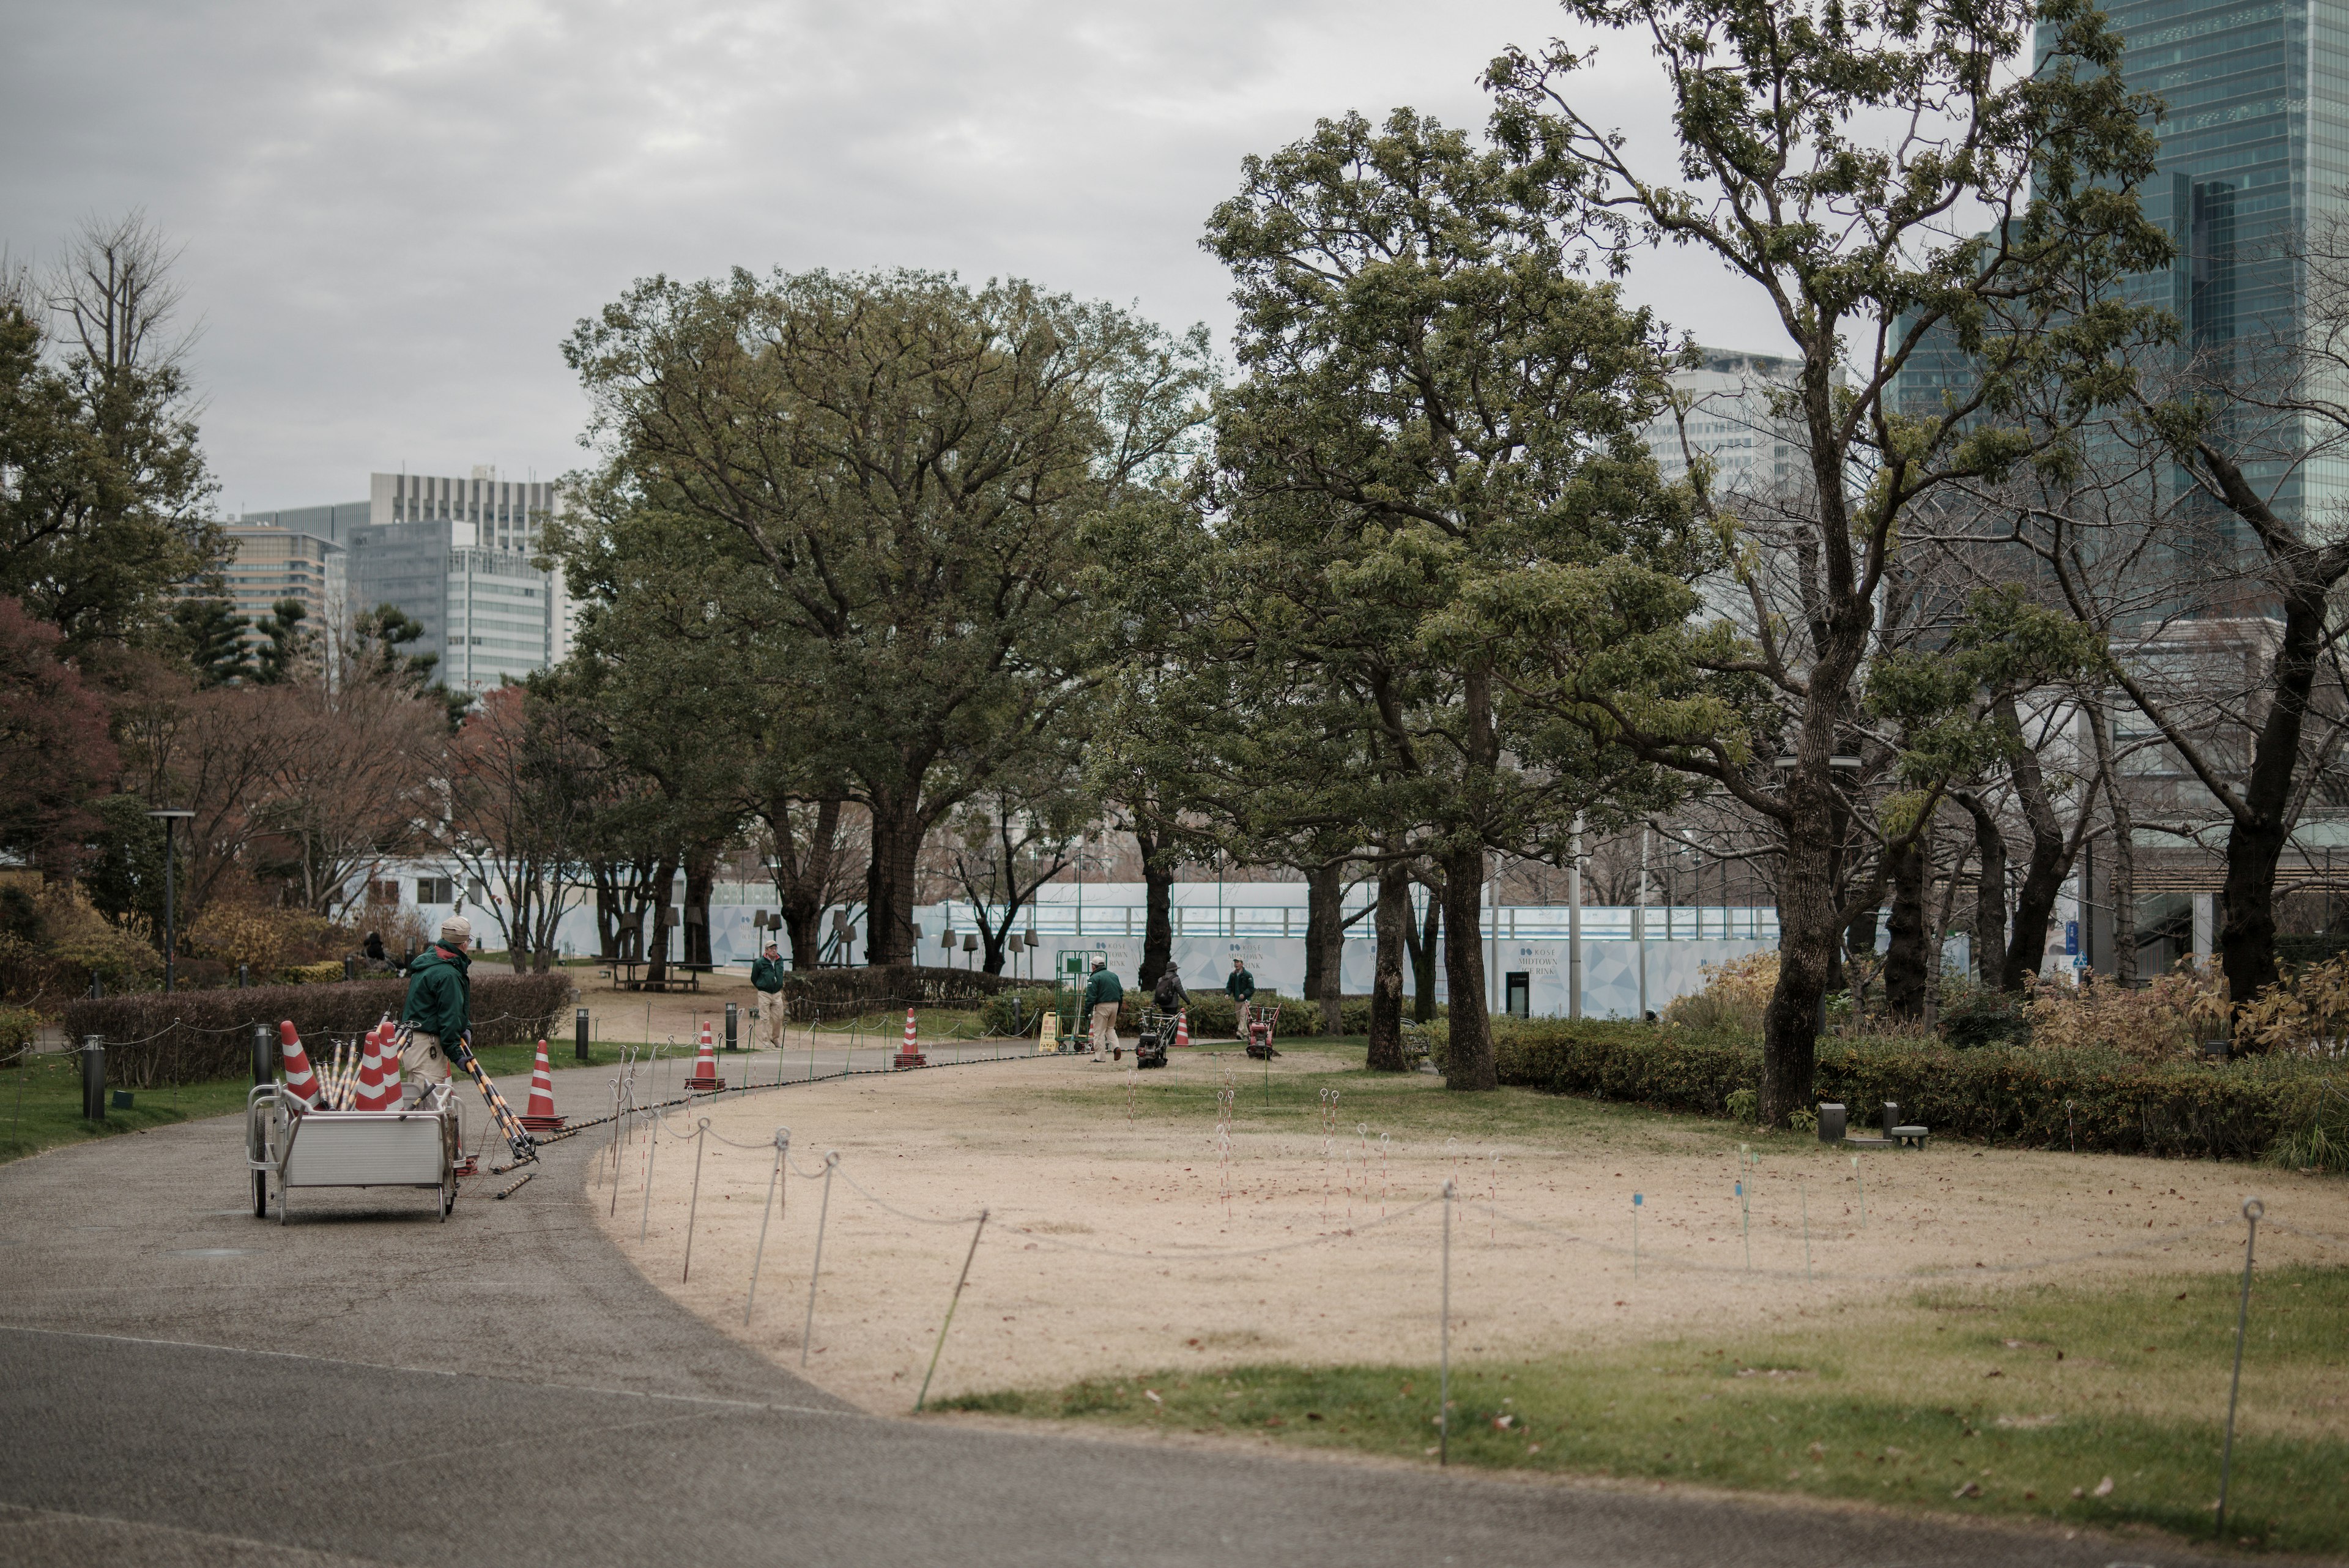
column 182, row 1383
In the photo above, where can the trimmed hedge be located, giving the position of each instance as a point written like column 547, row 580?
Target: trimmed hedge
column 193, row 1036
column 812, row 993
column 1988, row 1094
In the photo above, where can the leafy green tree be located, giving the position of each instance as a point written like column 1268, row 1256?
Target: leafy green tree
column 1799, row 171
column 286, row 646
column 103, row 513
column 122, row 861
column 212, row 636
column 910, row 465
column 1432, row 401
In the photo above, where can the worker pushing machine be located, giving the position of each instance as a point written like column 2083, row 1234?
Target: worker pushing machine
column 1240, row 986
column 1103, row 994
column 767, row 979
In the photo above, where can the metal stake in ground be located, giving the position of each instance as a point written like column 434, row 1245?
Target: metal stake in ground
column 823, row 1210
column 951, row 1302
column 693, row 1206
column 1443, row 1364
column 2252, row 1209
column 774, row 1181
column 652, row 1147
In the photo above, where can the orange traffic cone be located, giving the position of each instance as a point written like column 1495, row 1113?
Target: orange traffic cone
column 367, row 1091
column 387, row 1039
column 705, row 1066
column 909, row 1054
column 1183, row 1029
column 299, row 1078
column 540, row 1116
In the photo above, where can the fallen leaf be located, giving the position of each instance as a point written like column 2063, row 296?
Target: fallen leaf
column 1994, row 1372
column 2105, row 1487
column 1503, row 1423
column 1971, row 1489
column 1312, row 1415
column 1152, row 1394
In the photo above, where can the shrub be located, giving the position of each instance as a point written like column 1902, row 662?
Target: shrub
column 2037, row 1097
column 18, row 1027
column 812, row 993
column 325, row 971
column 192, row 1036
column 1213, row 1014
column 2159, row 1022
column 1734, row 998
column 1973, row 1016
column 1015, row 1011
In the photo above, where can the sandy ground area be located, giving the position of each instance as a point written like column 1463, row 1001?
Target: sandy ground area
column 1113, row 1246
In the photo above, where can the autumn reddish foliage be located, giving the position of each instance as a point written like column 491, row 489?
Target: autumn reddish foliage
column 54, row 752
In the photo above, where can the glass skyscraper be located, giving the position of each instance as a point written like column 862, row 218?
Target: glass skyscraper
column 2254, row 157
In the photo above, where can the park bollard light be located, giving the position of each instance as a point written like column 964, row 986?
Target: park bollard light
column 579, row 1034
column 244, row 977
column 732, row 1017
column 93, row 1077
column 264, row 1063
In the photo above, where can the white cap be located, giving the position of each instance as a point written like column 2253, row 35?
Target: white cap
column 456, row 928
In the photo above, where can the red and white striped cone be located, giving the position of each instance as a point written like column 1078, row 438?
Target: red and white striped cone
column 705, row 1065
column 540, row 1116
column 367, row 1092
column 1183, row 1030
column 909, row 1054
column 299, row 1078
column 389, row 1092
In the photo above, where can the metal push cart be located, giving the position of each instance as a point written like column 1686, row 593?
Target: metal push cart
column 287, row 1145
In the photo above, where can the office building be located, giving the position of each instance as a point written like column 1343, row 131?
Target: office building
column 268, row 564
column 456, row 556
column 1728, row 420
column 331, row 522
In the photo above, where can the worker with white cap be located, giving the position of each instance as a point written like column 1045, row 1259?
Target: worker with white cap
column 440, row 1004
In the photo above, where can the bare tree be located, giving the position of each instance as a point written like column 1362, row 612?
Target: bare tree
column 519, row 791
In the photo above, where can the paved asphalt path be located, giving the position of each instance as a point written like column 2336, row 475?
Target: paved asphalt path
column 182, row 1384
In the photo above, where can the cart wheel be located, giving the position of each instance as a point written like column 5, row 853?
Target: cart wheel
column 448, row 1201
column 260, row 1195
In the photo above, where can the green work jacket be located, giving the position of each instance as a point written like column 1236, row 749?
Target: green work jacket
column 1241, row 986
column 767, row 973
column 1102, row 987
column 440, row 995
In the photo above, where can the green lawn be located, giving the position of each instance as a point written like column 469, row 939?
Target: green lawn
column 2021, row 1404
column 40, row 1104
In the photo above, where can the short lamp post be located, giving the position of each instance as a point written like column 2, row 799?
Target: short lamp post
column 167, row 816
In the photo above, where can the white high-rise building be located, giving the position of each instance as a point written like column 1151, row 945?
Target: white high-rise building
column 1728, row 420
column 459, row 557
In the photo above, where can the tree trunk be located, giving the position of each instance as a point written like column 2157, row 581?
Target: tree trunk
column 664, row 916
column 1325, row 942
column 2050, row 862
column 1468, row 1062
column 1394, row 923
column 801, row 875
column 897, row 831
column 700, row 868
column 1157, row 905
column 1906, row 978
column 2121, row 881
column 1990, row 894
column 1422, row 945
column 1809, row 938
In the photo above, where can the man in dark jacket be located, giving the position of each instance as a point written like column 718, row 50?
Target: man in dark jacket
column 1240, row 986
column 439, row 1005
column 1102, row 993
column 1169, row 997
column 767, row 972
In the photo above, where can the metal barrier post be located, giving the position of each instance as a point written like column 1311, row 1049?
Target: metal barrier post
column 579, row 1034
column 93, row 1078
column 2252, row 1209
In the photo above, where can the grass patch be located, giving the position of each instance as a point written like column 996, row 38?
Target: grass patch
column 40, row 1102
column 40, row 1106
column 2020, row 1404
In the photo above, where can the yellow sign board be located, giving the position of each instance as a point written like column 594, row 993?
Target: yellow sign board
column 1047, row 1039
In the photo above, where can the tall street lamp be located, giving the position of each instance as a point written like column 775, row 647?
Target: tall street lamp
column 171, row 913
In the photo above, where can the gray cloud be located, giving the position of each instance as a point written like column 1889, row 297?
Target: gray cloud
column 393, row 214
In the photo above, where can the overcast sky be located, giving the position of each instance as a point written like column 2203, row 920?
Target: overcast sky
column 392, row 215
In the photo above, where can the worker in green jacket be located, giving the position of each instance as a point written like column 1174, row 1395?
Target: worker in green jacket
column 1102, row 993
column 440, row 1010
column 1240, row 986
column 767, row 972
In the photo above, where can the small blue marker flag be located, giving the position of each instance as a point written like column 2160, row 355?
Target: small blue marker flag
column 1739, row 1191
column 1636, row 1200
